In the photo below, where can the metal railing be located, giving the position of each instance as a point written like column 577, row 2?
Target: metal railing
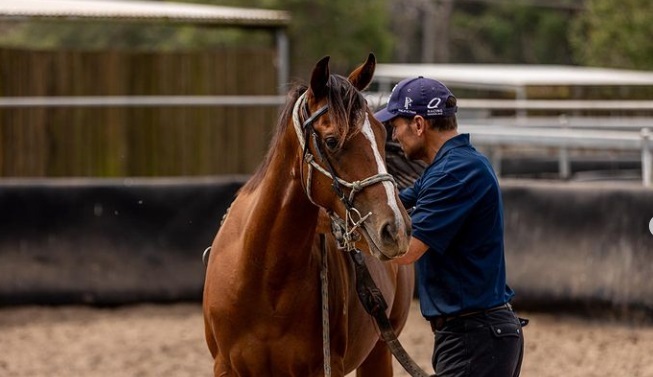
column 377, row 99
column 564, row 140
column 141, row 101
column 374, row 99
column 565, row 121
column 562, row 133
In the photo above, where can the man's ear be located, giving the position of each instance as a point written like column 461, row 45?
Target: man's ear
column 420, row 124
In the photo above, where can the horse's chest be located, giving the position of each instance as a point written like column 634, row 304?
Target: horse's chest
column 277, row 346
column 266, row 322
column 285, row 332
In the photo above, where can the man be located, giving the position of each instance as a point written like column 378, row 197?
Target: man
column 457, row 239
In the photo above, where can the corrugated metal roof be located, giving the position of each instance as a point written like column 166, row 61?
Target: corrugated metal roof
column 513, row 76
column 142, row 11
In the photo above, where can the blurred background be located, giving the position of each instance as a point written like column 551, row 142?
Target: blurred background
column 67, row 51
column 127, row 127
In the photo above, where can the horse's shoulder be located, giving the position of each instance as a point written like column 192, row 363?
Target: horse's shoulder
column 323, row 222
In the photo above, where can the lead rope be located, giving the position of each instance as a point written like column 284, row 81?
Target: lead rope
column 371, row 296
column 372, row 300
column 324, row 278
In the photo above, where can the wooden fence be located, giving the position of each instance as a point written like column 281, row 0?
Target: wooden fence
column 134, row 141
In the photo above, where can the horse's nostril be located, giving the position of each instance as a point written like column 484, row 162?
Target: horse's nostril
column 389, row 232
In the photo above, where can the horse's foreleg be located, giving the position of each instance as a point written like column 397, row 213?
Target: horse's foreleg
column 378, row 363
column 220, row 369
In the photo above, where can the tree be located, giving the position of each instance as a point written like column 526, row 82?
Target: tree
column 344, row 29
column 614, row 34
column 510, row 33
column 482, row 31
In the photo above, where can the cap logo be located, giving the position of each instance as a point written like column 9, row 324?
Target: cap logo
column 407, row 102
column 434, row 103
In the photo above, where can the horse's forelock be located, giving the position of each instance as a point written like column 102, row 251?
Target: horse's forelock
column 345, row 105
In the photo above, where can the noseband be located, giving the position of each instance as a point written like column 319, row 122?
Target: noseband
column 344, row 230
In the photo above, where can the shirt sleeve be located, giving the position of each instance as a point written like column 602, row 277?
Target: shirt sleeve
column 441, row 209
column 408, row 197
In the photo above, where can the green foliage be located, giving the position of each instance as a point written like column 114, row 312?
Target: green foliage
column 343, row 29
column 615, row 34
column 509, row 34
column 607, row 33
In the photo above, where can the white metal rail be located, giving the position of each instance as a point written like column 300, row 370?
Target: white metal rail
column 375, row 100
column 141, row 101
column 564, row 121
column 493, row 135
column 534, row 104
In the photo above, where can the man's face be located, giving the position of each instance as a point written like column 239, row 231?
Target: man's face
column 403, row 132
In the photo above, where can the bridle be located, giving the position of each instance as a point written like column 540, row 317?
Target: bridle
column 343, row 229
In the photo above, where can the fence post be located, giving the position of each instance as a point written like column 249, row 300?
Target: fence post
column 495, row 159
column 646, row 157
column 564, row 164
column 283, row 59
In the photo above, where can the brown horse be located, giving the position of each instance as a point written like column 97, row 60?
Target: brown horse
column 262, row 293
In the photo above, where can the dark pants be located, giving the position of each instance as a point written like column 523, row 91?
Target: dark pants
column 481, row 345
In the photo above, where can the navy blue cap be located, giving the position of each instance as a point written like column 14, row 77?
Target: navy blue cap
column 417, row 96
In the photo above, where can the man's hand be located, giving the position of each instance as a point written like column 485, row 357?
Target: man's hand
column 416, row 249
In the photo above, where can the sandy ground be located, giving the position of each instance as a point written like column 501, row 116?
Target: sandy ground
column 167, row 340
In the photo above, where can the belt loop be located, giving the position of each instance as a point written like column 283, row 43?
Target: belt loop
column 437, row 324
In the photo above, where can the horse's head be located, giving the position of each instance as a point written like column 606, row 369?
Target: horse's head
column 343, row 153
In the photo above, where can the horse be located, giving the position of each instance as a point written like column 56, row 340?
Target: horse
column 262, row 299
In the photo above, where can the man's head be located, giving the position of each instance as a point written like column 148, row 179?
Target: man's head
column 418, row 106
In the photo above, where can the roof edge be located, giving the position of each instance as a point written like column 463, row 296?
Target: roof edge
column 142, row 11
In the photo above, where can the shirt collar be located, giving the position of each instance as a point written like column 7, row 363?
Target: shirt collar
column 460, row 140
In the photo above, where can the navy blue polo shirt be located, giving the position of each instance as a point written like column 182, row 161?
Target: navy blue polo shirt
column 458, row 214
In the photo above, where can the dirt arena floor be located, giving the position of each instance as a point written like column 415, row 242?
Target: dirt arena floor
column 167, row 340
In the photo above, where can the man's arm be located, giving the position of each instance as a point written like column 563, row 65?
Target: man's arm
column 408, row 197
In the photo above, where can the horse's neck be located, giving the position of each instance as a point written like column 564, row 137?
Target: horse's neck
column 281, row 223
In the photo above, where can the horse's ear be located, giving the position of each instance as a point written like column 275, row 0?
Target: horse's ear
column 361, row 77
column 320, row 78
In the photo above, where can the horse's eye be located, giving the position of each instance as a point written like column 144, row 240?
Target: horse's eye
column 331, row 143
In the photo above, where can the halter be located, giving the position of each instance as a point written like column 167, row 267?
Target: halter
column 341, row 228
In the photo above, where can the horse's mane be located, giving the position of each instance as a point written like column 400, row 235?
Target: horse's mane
column 404, row 171
column 344, row 104
column 285, row 118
